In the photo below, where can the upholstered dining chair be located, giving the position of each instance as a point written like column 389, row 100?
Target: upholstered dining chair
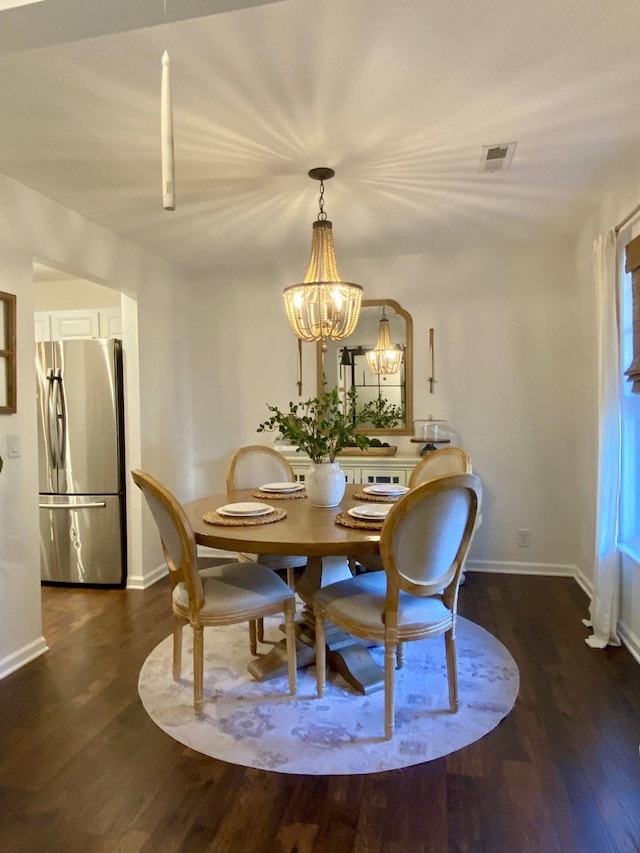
column 445, row 460
column 424, row 540
column 220, row 595
column 249, row 468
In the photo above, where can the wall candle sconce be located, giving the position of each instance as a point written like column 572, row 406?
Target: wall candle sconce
column 299, row 380
column 432, row 360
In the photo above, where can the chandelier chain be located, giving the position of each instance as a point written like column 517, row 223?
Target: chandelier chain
column 322, row 216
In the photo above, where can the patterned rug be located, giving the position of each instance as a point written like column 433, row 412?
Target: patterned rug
column 259, row 725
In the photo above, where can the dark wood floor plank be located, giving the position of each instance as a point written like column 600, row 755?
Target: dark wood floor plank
column 83, row 768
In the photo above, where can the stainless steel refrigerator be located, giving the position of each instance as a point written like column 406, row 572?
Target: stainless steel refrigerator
column 81, row 462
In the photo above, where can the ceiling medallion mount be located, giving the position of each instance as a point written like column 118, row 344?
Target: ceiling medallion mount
column 323, row 307
column 321, row 173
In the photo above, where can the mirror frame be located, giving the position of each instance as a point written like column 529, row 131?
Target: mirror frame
column 8, row 352
column 407, row 429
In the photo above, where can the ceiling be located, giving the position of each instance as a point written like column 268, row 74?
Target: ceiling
column 398, row 97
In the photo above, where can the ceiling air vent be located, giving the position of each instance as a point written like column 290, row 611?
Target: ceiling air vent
column 497, row 158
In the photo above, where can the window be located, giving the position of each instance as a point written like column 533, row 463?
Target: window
column 629, row 534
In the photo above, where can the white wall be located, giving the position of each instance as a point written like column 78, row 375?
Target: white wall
column 32, row 226
column 509, row 352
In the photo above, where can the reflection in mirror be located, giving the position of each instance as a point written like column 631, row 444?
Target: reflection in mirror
column 384, row 402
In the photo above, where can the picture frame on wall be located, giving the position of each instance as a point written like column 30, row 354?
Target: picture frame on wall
column 7, row 353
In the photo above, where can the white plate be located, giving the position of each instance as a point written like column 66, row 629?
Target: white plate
column 248, row 508
column 282, row 487
column 386, row 491
column 373, row 512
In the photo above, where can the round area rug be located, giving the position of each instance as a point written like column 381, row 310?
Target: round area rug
column 260, row 725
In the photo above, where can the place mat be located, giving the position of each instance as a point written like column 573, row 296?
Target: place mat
column 279, row 496
column 212, row 517
column 346, row 520
column 378, row 499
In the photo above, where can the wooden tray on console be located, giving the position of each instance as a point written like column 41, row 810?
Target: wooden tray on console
column 370, row 451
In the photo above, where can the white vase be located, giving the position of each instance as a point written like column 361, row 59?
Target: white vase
column 325, row 484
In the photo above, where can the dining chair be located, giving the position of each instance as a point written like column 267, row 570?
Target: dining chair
column 423, row 543
column 249, row 468
column 445, row 460
column 220, row 595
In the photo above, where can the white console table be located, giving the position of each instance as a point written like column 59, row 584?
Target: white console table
column 361, row 468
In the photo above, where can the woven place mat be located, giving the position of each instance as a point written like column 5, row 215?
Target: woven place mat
column 212, row 517
column 379, row 499
column 279, row 496
column 346, row 520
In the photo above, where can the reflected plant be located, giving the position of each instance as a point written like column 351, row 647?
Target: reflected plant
column 381, row 414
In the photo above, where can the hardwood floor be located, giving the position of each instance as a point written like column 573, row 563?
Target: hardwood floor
column 82, row 767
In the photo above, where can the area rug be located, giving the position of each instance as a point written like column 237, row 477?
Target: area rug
column 259, row 725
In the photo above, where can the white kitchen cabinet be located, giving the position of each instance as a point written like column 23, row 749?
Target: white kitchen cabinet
column 78, row 323
column 395, row 470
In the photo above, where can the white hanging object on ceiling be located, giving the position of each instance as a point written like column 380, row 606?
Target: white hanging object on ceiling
column 166, row 138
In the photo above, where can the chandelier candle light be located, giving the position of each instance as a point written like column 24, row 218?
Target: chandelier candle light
column 385, row 358
column 323, row 307
column 166, row 138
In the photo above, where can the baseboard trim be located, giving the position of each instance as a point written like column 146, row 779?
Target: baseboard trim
column 631, row 640
column 518, row 568
column 23, row 656
column 145, row 581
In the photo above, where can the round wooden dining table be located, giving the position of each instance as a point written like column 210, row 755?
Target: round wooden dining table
column 307, row 531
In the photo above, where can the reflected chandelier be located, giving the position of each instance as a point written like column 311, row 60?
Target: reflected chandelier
column 385, row 358
column 324, row 307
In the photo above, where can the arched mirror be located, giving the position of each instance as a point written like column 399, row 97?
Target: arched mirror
column 383, row 400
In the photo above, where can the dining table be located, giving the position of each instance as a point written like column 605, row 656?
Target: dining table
column 331, row 550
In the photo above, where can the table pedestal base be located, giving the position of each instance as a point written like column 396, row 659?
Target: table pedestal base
column 345, row 654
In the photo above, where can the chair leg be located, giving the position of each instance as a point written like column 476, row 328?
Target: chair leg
column 260, row 624
column 178, row 625
column 321, row 654
column 291, row 577
column 198, row 666
column 400, row 656
column 253, row 645
column 290, row 632
column 452, row 668
column 389, row 687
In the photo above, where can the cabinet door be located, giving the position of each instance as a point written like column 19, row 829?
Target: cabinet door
column 369, row 476
column 110, row 323
column 75, row 324
column 42, row 321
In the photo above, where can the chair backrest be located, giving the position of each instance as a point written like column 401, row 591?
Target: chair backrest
column 426, row 536
column 176, row 535
column 256, row 464
column 446, row 460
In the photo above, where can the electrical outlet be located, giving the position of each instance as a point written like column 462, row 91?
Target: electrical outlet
column 524, row 538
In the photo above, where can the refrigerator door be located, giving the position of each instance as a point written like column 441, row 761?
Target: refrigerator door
column 86, row 420
column 80, row 539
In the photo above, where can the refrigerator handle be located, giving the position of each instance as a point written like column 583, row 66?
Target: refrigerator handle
column 86, row 505
column 51, row 419
column 60, row 416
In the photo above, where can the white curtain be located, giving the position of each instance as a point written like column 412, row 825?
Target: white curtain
column 605, row 604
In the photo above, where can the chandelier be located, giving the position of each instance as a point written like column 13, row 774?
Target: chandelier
column 324, row 307
column 384, row 358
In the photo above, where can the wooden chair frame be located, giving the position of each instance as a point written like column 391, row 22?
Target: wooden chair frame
column 181, row 556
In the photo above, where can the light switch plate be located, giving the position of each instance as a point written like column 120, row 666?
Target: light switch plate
column 13, row 446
